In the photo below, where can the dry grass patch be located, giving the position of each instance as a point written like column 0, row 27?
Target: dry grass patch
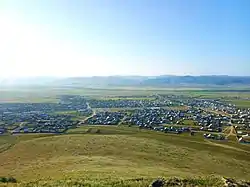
column 134, row 154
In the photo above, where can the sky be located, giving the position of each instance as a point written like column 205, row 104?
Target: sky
column 124, row 37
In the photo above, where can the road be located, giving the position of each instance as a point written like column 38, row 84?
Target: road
column 93, row 114
column 227, row 146
column 122, row 120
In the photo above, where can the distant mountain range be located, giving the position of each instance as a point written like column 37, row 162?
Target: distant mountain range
column 155, row 81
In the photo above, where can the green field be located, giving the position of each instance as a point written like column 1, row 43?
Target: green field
column 51, row 94
column 102, row 156
column 240, row 103
column 46, row 94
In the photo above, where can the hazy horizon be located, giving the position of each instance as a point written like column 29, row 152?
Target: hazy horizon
column 92, row 76
column 146, row 38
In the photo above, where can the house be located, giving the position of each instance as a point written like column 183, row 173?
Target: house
column 2, row 130
column 214, row 136
column 245, row 139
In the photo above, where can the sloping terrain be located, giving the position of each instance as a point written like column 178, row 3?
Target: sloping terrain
column 98, row 153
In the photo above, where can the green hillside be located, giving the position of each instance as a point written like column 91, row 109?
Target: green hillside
column 104, row 155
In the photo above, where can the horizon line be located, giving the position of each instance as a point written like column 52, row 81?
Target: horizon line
column 136, row 75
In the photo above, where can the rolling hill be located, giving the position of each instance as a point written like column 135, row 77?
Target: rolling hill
column 96, row 156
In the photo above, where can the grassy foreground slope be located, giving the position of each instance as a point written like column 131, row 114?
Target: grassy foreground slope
column 119, row 156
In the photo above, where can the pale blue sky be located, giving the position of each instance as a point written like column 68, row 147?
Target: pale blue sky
column 124, row 37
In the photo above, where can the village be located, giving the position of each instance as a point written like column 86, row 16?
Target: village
column 165, row 113
column 42, row 117
column 127, row 103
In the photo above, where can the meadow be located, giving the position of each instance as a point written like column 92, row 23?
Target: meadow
column 51, row 94
column 240, row 103
column 99, row 155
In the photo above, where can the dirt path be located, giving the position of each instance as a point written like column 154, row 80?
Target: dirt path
column 216, row 112
column 6, row 147
column 231, row 132
column 21, row 124
column 122, row 120
column 88, row 106
column 93, row 114
column 227, row 146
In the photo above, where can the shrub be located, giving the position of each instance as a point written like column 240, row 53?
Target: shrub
column 8, row 180
column 12, row 180
column 3, row 179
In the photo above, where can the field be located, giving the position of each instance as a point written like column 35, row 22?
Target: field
column 49, row 94
column 96, row 154
column 240, row 103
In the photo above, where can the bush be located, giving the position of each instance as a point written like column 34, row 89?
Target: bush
column 8, row 180
column 98, row 131
column 12, row 180
column 3, row 179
